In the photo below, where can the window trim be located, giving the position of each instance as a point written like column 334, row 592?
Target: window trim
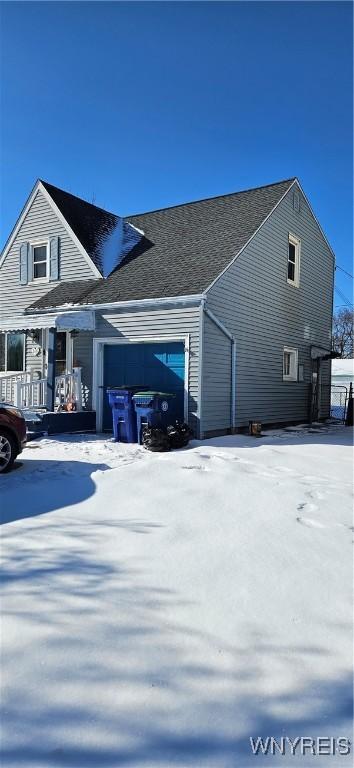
column 293, row 240
column 37, row 244
column 294, row 370
column 6, row 370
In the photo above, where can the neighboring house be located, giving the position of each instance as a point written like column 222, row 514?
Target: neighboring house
column 226, row 302
column 343, row 372
column 342, row 378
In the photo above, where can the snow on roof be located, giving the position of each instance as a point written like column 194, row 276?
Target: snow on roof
column 117, row 244
column 343, row 368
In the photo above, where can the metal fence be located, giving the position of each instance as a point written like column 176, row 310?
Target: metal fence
column 339, row 402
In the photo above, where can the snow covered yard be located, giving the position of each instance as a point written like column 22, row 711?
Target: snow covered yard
column 160, row 609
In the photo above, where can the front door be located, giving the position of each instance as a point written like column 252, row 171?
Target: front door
column 63, row 353
column 60, row 353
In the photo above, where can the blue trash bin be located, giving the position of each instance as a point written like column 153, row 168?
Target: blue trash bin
column 123, row 413
column 152, row 409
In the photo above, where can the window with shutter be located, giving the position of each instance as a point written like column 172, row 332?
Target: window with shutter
column 38, row 263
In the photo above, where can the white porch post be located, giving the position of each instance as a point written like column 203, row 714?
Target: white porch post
column 78, row 384
column 17, row 393
column 51, row 369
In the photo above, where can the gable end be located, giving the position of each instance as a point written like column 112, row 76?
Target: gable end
column 40, row 187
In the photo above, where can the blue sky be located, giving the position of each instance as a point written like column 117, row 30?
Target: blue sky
column 137, row 106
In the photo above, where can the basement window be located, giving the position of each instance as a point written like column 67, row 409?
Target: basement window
column 293, row 261
column 290, row 364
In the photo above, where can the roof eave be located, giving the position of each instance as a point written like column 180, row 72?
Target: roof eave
column 70, row 231
column 19, row 221
column 190, row 299
column 294, row 181
column 38, row 185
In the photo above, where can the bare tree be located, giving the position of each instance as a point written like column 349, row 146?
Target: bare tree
column 342, row 333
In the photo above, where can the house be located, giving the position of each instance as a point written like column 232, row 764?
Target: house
column 341, row 381
column 343, row 373
column 226, row 302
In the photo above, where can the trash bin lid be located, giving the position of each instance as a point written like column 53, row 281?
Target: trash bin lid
column 153, row 393
column 127, row 388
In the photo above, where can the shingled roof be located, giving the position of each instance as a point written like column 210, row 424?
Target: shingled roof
column 66, row 292
column 182, row 249
column 91, row 225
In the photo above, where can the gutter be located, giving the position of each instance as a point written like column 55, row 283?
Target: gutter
column 190, row 300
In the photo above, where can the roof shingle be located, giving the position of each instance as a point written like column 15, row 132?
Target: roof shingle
column 183, row 248
column 66, row 292
column 91, row 225
column 186, row 247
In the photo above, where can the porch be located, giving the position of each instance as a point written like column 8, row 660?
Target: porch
column 39, row 374
column 27, row 390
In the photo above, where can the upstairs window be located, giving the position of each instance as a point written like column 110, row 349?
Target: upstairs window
column 294, row 261
column 40, row 261
column 290, row 359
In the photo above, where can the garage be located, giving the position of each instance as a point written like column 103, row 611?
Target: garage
column 157, row 365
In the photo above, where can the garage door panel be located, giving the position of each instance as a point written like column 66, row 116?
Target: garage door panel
column 159, row 366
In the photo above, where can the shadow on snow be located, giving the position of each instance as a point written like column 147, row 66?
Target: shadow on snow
column 111, row 679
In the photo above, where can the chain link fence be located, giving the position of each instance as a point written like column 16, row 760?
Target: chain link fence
column 339, row 402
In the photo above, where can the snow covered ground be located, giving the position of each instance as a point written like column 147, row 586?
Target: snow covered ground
column 160, row 609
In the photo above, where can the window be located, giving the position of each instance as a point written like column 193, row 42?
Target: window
column 12, row 351
column 40, row 261
column 290, row 357
column 293, row 260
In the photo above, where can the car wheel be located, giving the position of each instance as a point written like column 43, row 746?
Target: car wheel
column 8, row 451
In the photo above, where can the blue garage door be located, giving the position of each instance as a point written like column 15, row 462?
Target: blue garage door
column 159, row 366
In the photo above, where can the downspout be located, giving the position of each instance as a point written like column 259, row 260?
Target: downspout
column 230, row 336
column 233, row 384
column 200, row 370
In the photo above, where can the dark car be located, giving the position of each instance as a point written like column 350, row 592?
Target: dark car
column 12, row 435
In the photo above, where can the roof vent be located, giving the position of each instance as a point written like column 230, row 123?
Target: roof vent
column 296, row 202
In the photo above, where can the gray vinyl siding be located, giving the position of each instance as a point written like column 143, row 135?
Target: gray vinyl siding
column 34, row 362
column 144, row 323
column 253, row 299
column 40, row 222
column 216, row 390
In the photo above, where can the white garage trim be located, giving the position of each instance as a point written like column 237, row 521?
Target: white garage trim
column 97, row 369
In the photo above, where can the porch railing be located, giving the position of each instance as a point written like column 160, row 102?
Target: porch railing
column 68, row 390
column 25, row 392
column 31, row 394
column 8, row 384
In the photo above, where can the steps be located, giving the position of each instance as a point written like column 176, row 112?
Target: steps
column 40, row 422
